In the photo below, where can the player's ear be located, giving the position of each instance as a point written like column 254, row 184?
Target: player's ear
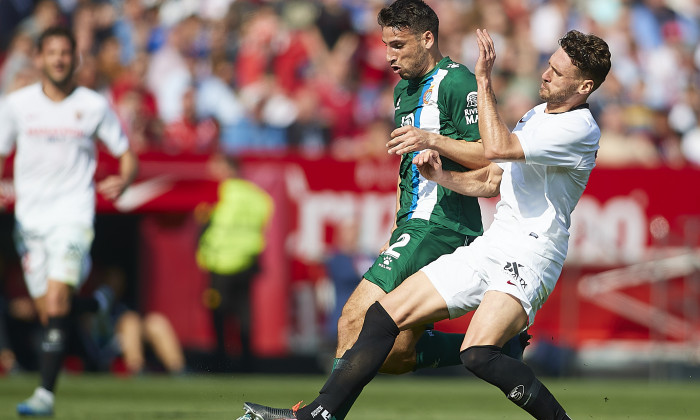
column 586, row 87
column 428, row 39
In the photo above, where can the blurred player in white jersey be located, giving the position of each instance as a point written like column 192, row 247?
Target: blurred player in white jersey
column 53, row 125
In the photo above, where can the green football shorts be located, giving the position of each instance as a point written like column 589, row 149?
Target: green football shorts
column 413, row 246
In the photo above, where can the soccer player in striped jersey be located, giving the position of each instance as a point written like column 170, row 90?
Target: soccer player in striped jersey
column 435, row 108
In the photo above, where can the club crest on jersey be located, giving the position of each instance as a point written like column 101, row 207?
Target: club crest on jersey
column 427, row 95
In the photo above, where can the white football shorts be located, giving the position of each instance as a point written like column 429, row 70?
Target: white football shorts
column 61, row 253
column 464, row 276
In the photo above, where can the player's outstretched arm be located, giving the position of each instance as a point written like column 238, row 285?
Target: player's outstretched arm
column 484, row 182
column 408, row 138
column 499, row 143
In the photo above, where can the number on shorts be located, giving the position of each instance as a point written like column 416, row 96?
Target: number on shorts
column 401, row 242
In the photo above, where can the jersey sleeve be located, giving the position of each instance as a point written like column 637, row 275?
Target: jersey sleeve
column 8, row 128
column 110, row 133
column 570, row 142
column 460, row 106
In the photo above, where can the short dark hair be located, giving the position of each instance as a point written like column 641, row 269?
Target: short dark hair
column 59, row 31
column 589, row 53
column 414, row 15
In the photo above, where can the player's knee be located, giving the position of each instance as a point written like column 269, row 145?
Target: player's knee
column 155, row 322
column 349, row 326
column 57, row 305
column 477, row 359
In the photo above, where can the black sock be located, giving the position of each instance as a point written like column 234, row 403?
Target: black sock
column 53, row 348
column 438, row 349
column 84, row 304
column 515, row 379
column 357, row 366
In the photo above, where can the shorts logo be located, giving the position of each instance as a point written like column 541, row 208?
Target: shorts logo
column 512, row 268
column 517, row 393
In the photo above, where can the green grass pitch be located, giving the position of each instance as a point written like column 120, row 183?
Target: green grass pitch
column 411, row 397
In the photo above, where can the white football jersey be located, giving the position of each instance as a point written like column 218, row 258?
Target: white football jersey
column 538, row 195
column 55, row 158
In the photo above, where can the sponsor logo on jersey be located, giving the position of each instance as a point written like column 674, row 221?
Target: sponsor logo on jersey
column 513, row 268
column 452, row 65
column 398, row 104
column 471, row 99
column 78, row 115
column 386, row 262
column 407, row 120
column 427, row 95
column 470, row 113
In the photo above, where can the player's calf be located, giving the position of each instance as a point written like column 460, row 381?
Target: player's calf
column 515, row 379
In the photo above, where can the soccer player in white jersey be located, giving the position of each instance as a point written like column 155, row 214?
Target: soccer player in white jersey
column 508, row 273
column 53, row 125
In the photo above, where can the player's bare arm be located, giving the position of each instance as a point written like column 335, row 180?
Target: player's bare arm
column 498, row 141
column 409, row 139
column 114, row 186
column 483, row 182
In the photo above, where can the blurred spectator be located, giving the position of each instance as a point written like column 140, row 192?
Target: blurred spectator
column 190, row 134
column 109, row 66
column 345, row 266
column 18, row 61
column 217, row 98
column 229, row 250
column 307, row 74
column 620, row 148
column 133, row 337
column 136, row 106
column 46, row 14
column 170, row 72
column 8, row 360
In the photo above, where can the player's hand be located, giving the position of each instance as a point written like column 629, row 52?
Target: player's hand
column 409, row 139
column 112, row 187
column 487, row 55
column 429, row 165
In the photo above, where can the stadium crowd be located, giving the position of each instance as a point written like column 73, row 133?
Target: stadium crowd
column 310, row 76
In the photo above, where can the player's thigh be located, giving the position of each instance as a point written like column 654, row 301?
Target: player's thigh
column 499, row 317
column 69, row 254
column 416, row 302
column 32, row 249
column 411, row 247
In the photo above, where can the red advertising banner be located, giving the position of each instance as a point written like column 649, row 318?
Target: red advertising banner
column 631, row 273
